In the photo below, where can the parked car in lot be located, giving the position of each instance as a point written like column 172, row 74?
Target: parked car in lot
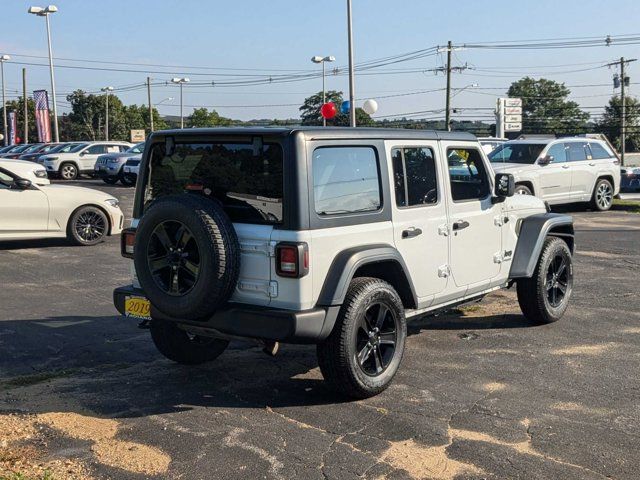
column 109, row 167
column 131, row 168
column 566, row 170
column 80, row 160
column 630, row 179
column 329, row 236
column 31, row 211
column 489, row 144
column 33, row 154
column 18, row 150
column 24, row 169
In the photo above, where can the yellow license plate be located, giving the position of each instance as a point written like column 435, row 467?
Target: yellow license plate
column 137, row 307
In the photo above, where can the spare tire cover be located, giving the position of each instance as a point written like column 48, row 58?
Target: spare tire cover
column 187, row 256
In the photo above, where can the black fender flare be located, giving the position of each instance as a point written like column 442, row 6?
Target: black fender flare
column 346, row 263
column 533, row 232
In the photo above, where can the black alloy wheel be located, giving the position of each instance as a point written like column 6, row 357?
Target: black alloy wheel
column 173, row 258
column 557, row 280
column 376, row 339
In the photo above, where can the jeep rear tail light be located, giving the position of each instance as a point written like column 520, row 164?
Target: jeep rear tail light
column 127, row 242
column 292, row 259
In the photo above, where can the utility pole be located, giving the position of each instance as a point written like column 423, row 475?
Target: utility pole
column 447, row 118
column 26, row 103
column 352, row 95
column 150, row 104
column 624, row 81
column 448, row 69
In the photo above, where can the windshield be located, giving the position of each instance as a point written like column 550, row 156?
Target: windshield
column 19, row 149
column 246, row 179
column 139, row 148
column 524, row 153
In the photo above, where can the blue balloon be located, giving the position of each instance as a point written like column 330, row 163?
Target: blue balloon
column 344, row 107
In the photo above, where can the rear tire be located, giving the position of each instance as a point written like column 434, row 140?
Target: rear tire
column 181, row 347
column 523, row 190
column 544, row 297
column 356, row 359
column 602, row 197
column 87, row 226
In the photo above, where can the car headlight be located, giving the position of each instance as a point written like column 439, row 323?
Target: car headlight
column 50, row 159
column 40, row 173
column 113, row 202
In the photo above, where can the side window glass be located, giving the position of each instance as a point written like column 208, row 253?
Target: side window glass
column 5, row 181
column 598, row 152
column 558, row 152
column 415, row 179
column 346, row 180
column 467, row 174
column 576, row 151
column 95, row 149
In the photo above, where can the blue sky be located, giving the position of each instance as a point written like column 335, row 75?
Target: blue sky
column 279, row 35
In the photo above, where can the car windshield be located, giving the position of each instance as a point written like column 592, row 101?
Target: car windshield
column 19, row 149
column 32, row 148
column 245, row 178
column 524, row 153
column 139, row 148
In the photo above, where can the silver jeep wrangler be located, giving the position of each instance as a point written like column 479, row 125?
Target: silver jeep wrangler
column 329, row 236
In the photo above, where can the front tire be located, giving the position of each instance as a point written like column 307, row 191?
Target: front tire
column 181, row 347
column 127, row 180
column 363, row 352
column 602, row 198
column 544, row 297
column 68, row 171
column 87, row 226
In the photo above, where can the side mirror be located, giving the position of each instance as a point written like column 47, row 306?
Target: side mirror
column 505, row 185
column 546, row 160
column 21, row 184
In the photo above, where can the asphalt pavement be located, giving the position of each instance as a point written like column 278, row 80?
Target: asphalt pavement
column 482, row 393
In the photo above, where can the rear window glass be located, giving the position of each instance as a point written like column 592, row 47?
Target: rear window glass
column 247, row 180
column 346, row 180
column 598, row 151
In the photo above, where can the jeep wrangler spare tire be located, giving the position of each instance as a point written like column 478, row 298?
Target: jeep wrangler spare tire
column 187, row 256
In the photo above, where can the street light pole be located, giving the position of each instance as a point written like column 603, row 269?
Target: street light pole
column 106, row 91
column 181, row 82
column 4, row 58
column 45, row 12
column 352, row 105
column 322, row 60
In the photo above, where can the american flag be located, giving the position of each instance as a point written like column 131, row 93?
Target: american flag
column 42, row 115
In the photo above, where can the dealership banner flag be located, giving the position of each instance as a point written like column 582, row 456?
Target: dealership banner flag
column 43, row 121
column 13, row 127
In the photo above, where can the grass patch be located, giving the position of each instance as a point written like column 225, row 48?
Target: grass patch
column 632, row 206
column 33, row 379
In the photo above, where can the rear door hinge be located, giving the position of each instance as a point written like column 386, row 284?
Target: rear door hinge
column 273, row 289
column 497, row 258
column 443, row 271
column 443, row 230
column 498, row 221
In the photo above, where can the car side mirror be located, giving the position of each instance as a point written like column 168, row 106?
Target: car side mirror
column 505, row 185
column 21, row 184
column 546, row 160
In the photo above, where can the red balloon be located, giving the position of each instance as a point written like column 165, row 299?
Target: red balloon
column 328, row 110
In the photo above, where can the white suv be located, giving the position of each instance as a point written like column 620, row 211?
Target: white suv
column 81, row 159
column 565, row 170
column 329, row 236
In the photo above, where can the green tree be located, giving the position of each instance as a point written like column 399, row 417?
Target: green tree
column 18, row 107
column 545, row 108
column 610, row 122
column 202, row 117
column 310, row 111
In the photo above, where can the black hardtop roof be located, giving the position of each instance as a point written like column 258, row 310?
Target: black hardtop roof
column 323, row 133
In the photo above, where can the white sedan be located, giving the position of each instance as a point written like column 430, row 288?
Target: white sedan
column 30, row 211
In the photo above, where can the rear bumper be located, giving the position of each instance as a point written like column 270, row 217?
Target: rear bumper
column 242, row 320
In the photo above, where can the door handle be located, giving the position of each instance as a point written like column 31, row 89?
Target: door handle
column 565, row 166
column 460, row 225
column 411, row 232
column 592, row 164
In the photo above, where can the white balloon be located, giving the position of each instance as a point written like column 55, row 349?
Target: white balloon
column 370, row 107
